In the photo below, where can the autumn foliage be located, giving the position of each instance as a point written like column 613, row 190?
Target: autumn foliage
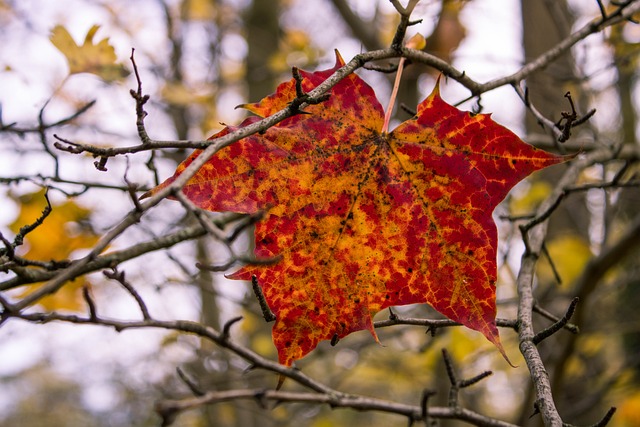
column 364, row 219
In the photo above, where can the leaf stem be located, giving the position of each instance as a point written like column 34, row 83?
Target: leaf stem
column 394, row 94
column 415, row 42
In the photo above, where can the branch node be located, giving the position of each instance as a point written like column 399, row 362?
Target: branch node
column 424, row 404
column 119, row 277
column 227, row 327
column 301, row 96
column 546, row 333
column 88, row 298
column 141, row 100
column 101, row 164
column 472, row 381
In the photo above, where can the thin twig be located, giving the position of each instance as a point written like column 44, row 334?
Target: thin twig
column 546, row 333
column 193, row 386
column 264, row 307
column 119, row 276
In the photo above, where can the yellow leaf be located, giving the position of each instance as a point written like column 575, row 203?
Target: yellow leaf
column 569, row 253
column 180, row 94
column 629, row 411
column 417, row 42
column 527, row 203
column 198, row 10
column 295, row 49
column 64, row 231
column 99, row 59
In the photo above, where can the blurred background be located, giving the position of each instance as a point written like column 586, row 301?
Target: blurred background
column 197, row 60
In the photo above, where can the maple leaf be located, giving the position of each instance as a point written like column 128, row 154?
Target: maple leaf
column 62, row 233
column 364, row 219
column 99, row 59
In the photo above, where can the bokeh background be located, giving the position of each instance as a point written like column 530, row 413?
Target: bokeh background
column 198, row 59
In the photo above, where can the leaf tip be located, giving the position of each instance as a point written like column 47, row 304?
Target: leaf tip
column 339, row 60
column 436, row 88
column 494, row 337
column 417, row 42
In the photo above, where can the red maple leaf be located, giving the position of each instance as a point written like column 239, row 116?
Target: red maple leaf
column 365, row 219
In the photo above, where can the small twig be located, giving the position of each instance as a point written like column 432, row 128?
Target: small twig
column 514, row 218
column 245, row 222
column 387, row 69
column 189, row 382
column 546, row 333
column 582, row 120
column 471, row 381
column 8, row 248
column 524, row 228
column 42, row 127
column 542, row 120
column 603, row 11
column 432, row 324
column 141, row 100
column 411, row 111
column 71, row 147
column 556, row 275
column 101, row 164
column 568, row 118
column 603, row 185
column 302, row 97
column 405, row 15
column 201, row 216
column 86, row 294
column 257, row 290
column 26, row 229
column 424, row 405
column 457, row 384
column 574, row 329
column 119, row 277
column 132, row 188
column 453, row 391
column 8, row 309
column 11, row 127
column 607, row 417
column 227, row 327
column 239, row 259
column 151, row 165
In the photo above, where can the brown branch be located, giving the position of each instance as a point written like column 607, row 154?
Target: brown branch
column 405, row 16
column 591, row 275
column 42, row 126
column 170, row 408
column 141, row 100
column 537, row 64
column 457, row 384
column 359, row 61
column 18, row 240
column 50, row 270
column 119, row 276
column 535, row 237
column 264, row 307
column 433, row 324
column 546, row 333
